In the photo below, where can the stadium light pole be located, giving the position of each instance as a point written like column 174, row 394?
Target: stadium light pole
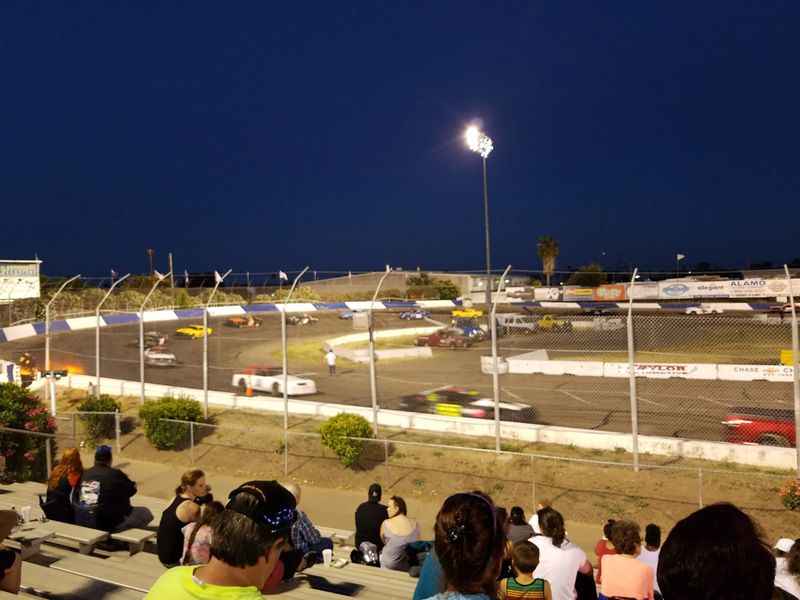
column 285, row 368
column 634, row 401
column 795, row 370
column 218, row 279
column 159, row 278
column 48, row 391
column 482, row 144
column 97, row 332
column 495, row 361
column 373, row 380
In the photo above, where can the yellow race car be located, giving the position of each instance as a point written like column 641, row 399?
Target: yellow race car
column 192, row 331
column 467, row 313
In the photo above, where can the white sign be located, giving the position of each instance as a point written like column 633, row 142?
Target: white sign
column 643, row 291
column 545, row 293
column 755, row 372
column 18, row 280
column 662, row 370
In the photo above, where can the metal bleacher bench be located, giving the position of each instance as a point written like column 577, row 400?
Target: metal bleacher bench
column 340, row 537
column 135, row 538
column 38, row 578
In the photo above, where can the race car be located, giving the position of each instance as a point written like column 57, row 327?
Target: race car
column 159, row 356
column 243, row 322
column 194, row 332
column 445, row 338
column 415, row 315
column 549, row 323
column 703, row 309
column 347, row 314
column 270, row 379
column 153, row 338
column 454, row 401
column 304, row 319
column 467, row 313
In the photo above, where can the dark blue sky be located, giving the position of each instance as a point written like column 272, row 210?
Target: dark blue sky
column 266, row 135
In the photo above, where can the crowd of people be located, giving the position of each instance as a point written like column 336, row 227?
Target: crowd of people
column 260, row 536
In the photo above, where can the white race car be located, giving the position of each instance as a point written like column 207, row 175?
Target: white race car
column 703, row 309
column 159, row 356
column 270, row 379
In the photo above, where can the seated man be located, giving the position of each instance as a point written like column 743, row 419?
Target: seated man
column 246, row 544
column 305, row 537
column 105, row 498
column 370, row 515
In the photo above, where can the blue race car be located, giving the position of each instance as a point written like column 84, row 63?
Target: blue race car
column 415, row 315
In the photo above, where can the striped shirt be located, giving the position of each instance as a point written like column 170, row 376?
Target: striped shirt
column 518, row 591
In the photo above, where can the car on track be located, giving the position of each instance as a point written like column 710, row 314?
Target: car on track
column 470, row 328
column 454, row 401
column 516, row 323
column 550, row 323
column 304, row 319
column 153, row 338
column 467, row 313
column 755, row 425
column 415, row 315
column 159, row 356
column 270, row 380
column 243, row 322
column 450, row 337
column 703, row 309
column 194, row 332
column 348, row 314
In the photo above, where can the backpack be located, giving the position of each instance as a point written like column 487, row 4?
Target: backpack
column 86, row 506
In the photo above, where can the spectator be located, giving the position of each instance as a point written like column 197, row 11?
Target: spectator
column 716, row 552
column 518, row 529
column 505, row 565
column 560, row 561
column 330, row 359
column 105, row 497
column 64, row 480
column 246, row 545
column 603, row 548
column 649, row 554
column 10, row 562
column 534, row 522
column 191, row 493
column 197, row 535
column 522, row 585
column 396, row 532
column 469, row 546
column 369, row 517
column 787, row 567
column 305, row 537
column 623, row 575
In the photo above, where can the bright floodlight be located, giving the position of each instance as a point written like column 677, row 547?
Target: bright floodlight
column 479, row 142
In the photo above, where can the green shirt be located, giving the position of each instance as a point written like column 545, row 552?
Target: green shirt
column 181, row 584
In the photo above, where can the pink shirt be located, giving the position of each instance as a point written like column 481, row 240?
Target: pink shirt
column 201, row 546
column 625, row 576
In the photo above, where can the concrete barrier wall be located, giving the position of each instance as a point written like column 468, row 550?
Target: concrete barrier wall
column 760, row 456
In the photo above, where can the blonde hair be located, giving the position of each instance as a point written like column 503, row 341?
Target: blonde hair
column 188, row 479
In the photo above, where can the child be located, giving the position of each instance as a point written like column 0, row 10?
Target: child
column 524, row 559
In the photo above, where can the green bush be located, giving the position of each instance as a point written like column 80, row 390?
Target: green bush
column 336, row 431
column 169, row 436
column 24, row 454
column 99, row 427
column 447, row 289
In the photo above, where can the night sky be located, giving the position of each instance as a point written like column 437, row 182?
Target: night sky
column 266, row 135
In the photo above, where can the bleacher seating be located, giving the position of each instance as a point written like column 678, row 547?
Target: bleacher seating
column 68, row 562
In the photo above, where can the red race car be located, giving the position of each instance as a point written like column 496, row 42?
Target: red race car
column 765, row 426
column 445, row 338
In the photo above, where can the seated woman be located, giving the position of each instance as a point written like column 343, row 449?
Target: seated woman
column 396, row 532
column 64, row 479
column 184, row 509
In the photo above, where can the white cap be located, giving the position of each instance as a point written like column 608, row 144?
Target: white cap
column 784, row 544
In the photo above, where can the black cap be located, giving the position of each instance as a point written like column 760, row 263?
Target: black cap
column 103, row 453
column 375, row 492
column 275, row 507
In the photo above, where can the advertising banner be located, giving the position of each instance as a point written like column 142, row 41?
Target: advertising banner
column 573, row 293
column 755, row 372
column 610, row 293
column 758, row 288
column 662, row 370
column 693, row 289
column 644, row 291
column 546, row 293
column 19, row 279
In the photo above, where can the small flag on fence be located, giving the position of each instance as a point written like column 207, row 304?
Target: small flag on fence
column 283, row 276
column 680, row 256
column 217, row 277
column 186, row 278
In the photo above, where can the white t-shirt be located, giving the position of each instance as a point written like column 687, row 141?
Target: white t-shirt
column 534, row 522
column 330, row 357
column 650, row 557
column 785, row 580
column 559, row 566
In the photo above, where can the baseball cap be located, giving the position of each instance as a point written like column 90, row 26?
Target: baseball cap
column 784, row 544
column 375, row 491
column 102, row 453
column 275, row 507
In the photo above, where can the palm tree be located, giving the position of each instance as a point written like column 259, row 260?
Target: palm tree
column 547, row 249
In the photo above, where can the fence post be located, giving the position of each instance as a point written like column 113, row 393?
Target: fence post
column 74, row 429
column 632, row 377
column 117, row 430
column 48, row 459
column 285, row 452
column 795, row 371
column 373, row 379
column 191, row 442
column 386, row 457
column 700, row 487
column 285, row 370
column 533, row 483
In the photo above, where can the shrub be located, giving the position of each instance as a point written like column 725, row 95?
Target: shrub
column 790, row 494
column 336, row 431
column 447, row 289
column 99, row 427
column 169, row 436
column 25, row 458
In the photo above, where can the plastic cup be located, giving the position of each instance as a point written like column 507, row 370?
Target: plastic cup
column 25, row 511
column 327, row 557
